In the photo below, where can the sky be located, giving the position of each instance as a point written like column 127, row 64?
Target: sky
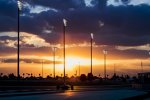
column 119, row 26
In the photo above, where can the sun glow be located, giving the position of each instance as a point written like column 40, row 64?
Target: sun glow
column 71, row 62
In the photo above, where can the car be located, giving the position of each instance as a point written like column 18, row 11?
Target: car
column 64, row 87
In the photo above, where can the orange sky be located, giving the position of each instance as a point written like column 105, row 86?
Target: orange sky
column 126, row 62
column 128, row 66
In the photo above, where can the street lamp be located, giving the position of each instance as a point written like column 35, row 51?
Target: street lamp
column 64, row 32
column 92, row 36
column 18, row 51
column 54, row 50
column 105, row 53
column 19, row 5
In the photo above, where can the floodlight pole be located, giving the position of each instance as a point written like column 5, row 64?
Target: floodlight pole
column 79, row 68
column 105, row 53
column 54, row 49
column 91, row 50
column 18, row 39
column 141, row 66
column 64, row 32
column 114, row 68
column 42, row 67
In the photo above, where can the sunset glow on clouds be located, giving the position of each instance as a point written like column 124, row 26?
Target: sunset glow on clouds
column 124, row 33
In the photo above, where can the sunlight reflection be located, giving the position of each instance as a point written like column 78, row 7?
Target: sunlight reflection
column 68, row 93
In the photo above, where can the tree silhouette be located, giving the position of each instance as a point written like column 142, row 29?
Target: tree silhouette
column 11, row 76
column 90, row 77
column 83, row 77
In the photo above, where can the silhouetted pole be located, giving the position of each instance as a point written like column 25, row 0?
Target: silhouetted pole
column 54, row 49
column 64, row 32
column 76, row 73
column 42, row 68
column 114, row 68
column 79, row 68
column 149, row 49
column 91, row 51
column 18, row 51
column 141, row 66
column 105, row 53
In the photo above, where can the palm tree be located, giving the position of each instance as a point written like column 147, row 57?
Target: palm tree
column 31, row 74
column 1, row 74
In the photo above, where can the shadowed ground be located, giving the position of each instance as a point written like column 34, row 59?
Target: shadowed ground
column 79, row 93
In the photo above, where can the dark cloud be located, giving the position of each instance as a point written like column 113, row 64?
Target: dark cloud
column 128, row 54
column 124, row 25
column 7, row 37
column 58, row 4
column 8, row 8
column 8, row 15
column 113, row 53
column 7, row 51
column 39, row 61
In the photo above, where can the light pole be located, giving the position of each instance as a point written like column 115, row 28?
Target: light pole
column 91, row 50
column 76, row 73
column 114, row 69
column 149, row 49
column 42, row 67
column 141, row 67
column 105, row 53
column 18, row 51
column 54, row 50
column 64, row 32
column 79, row 68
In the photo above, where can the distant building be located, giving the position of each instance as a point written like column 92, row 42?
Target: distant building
column 144, row 77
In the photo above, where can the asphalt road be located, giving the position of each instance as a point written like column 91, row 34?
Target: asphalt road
column 83, row 95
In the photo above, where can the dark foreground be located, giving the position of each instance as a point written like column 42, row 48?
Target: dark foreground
column 105, row 92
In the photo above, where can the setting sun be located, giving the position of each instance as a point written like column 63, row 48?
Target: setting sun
column 74, row 61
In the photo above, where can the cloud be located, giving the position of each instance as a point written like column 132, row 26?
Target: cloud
column 33, row 61
column 36, row 9
column 139, row 2
column 142, row 47
column 122, row 26
column 128, row 2
column 9, row 39
column 58, row 4
column 30, row 39
column 126, row 25
column 10, row 34
column 88, row 3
